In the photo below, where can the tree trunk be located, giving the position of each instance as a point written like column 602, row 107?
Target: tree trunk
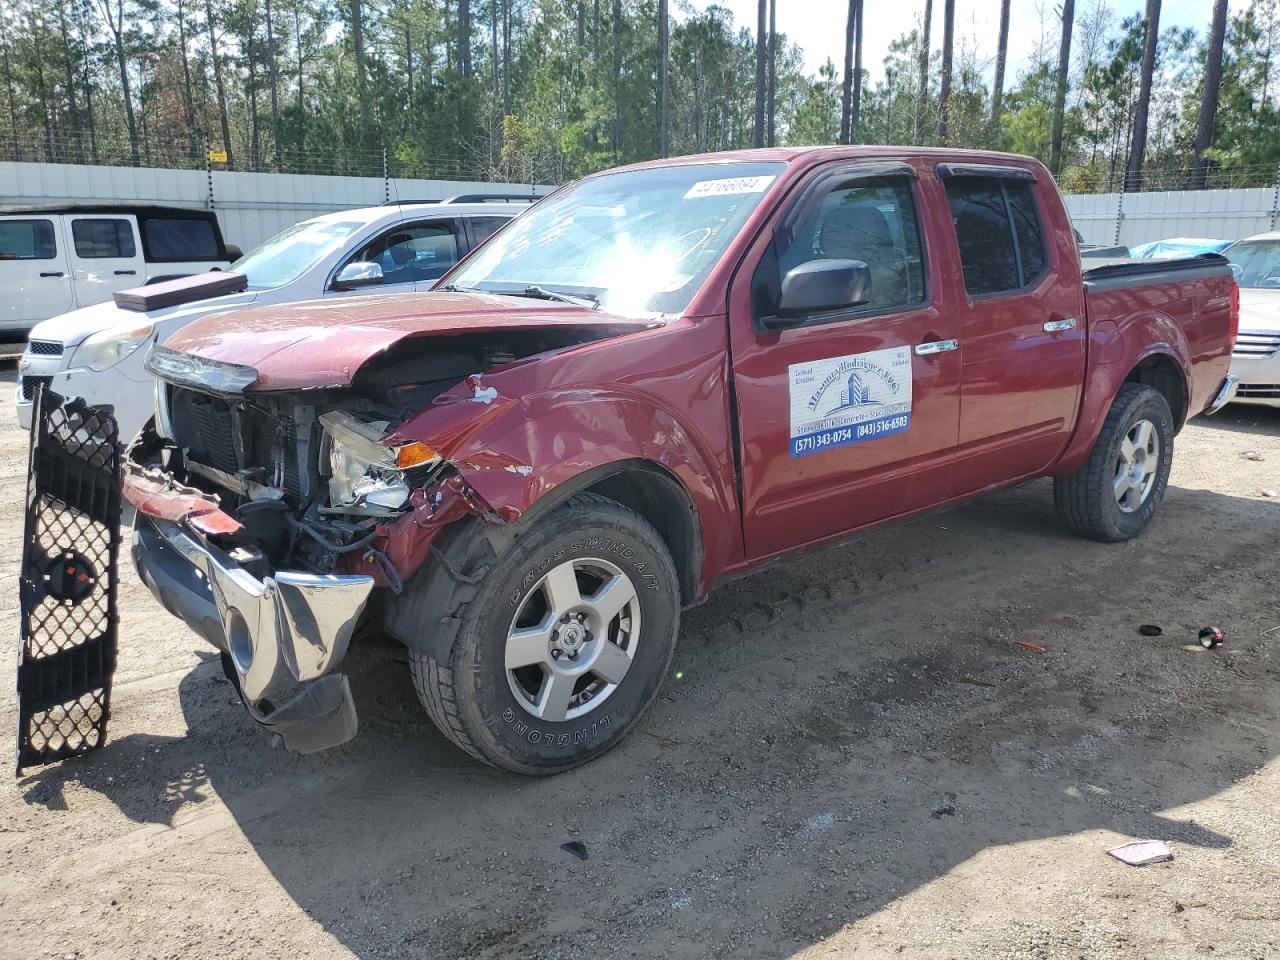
column 220, row 86
column 664, row 79
column 37, row 49
column 506, row 57
column 1002, row 56
column 757, row 135
column 357, row 44
column 464, row 37
column 273, row 78
column 846, row 93
column 855, row 112
column 255, row 140
column 582, row 24
column 116, row 25
column 773, row 68
column 922, row 89
column 73, row 111
column 188, row 98
column 1209, row 98
column 944, row 85
column 13, row 103
column 1060, row 92
column 1138, row 146
column 617, row 87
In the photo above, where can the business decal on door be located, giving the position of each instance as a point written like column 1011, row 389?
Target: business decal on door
column 843, row 400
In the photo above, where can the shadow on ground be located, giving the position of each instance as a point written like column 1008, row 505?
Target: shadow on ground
column 849, row 726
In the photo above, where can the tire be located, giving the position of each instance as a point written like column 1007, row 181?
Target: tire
column 492, row 712
column 1095, row 501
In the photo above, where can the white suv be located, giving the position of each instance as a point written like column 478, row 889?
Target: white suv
column 1256, row 357
column 96, row 353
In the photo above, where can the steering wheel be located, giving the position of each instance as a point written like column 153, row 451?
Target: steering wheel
column 690, row 241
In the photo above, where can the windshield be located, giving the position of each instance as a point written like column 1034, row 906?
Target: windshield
column 1256, row 263
column 638, row 241
column 291, row 253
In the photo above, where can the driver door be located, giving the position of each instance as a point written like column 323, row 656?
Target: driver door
column 412, row 257
column 848, row 416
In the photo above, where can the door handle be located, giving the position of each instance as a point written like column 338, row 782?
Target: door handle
column 52, row 273
column 1057, row 326
column 936, row 346
column 126, row 273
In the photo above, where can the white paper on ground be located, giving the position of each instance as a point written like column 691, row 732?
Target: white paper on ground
column 1139, row 853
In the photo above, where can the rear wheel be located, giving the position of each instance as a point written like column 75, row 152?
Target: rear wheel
column 1115, row 494
column 564, row 644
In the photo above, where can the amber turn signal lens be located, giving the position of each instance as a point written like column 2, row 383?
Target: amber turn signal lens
column 414, row 454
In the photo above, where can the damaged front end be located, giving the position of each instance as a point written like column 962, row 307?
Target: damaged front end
column 266, row 520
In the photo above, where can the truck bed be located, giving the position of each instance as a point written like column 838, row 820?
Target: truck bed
column 1162, row 301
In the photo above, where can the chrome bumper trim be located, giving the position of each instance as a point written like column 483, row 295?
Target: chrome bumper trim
column 1225, row 394
column 288, row 629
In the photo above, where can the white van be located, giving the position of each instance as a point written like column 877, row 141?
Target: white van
column 56, row 258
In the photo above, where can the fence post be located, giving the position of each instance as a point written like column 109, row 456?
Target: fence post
column 386, row 177
column 208, row 175
column 1115, row 242
column 1275, row 200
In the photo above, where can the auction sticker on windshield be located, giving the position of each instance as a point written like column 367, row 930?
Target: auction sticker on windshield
column 731, row 185
column 841, row 400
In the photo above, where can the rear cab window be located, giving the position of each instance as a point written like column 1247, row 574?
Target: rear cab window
column 27, row 240
column 176, row 239
column 103, row 238
column 482, row 228
column 999, row 232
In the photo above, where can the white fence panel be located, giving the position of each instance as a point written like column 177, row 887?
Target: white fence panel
column 251, row 206
column 1133, row 218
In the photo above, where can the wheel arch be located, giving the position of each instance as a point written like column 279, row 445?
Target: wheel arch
column 463, row 552
column 1165, row 375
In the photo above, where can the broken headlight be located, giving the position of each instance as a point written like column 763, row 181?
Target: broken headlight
column 366, row 475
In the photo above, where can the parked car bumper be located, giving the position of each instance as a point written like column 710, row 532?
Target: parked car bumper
column 1259, row 379
column 283, row 634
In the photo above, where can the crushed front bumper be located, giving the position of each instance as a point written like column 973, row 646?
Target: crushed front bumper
column 283, row 634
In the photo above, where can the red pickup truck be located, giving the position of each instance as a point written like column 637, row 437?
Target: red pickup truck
column 657, row 377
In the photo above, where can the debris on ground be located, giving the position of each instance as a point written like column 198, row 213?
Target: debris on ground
column 1272, row 494
column 1252, row 455
column 1030, row 646
column 1211, row 637
column 1150, row 630
column 1140, row 853
column 576, row 847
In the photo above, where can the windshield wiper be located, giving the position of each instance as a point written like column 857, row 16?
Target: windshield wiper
column 542, row 293
column 454, row 288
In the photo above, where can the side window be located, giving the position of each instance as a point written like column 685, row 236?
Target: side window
column 482, row 228
column 102, row 239
column 172, row 239
column 998, row 231
column 421, row 251
column 869, row 220
column 27, row 240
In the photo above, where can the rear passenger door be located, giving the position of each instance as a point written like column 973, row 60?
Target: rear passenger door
column 1021, row 329
column 35, row 282
column 105, row 256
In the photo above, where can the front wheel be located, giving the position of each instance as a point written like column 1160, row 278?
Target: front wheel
column 563, row 646
column 1115, row 494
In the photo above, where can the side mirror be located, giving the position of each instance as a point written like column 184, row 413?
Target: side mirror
column 821, row 285
column 355, row 275
column 234, row 252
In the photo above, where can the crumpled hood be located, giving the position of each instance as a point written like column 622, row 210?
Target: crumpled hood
column 1259, row 308
column 73, row 327
column 322, row 343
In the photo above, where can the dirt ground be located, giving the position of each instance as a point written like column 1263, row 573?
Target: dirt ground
column 854, row 759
